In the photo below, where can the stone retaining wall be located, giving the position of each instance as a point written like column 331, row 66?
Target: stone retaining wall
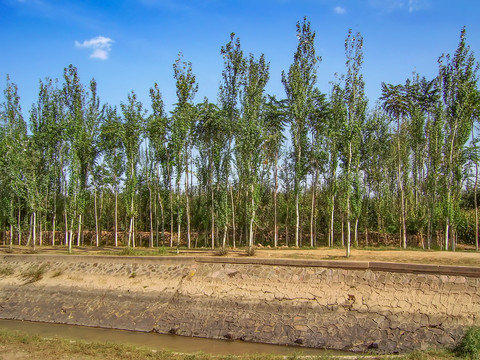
column 327, row 304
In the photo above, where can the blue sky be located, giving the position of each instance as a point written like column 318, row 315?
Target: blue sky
column 131, row 44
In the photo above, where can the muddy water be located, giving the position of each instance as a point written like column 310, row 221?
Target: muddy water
column 157, row 341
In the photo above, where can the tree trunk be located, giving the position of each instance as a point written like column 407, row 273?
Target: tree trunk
column 40, row 237
column 275, row 190
column 475, row 187
column 66, row 228
column 250, row 233
column 162, row 214
column 79, row 235
column 54, row 225
column 186, row 197
column 34, row 229
column 343, row 231
column 115, row 225
column 356, row 232
column 212, row 213
column 312, row 211
column 11, row 238
column 224, row 240
column 233, row 217
column 19, row 227
column 297, row 218
column 171, row 217
column 332, row 238
column 150, row 244
column 97, row 240
column 447, row 232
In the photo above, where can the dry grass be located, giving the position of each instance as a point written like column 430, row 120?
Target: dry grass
column 19, row 345
column 34, row 273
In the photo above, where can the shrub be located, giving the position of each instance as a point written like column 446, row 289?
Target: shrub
column 251, row 250
column 162, row 250
column 223, row 251
column 469, row 346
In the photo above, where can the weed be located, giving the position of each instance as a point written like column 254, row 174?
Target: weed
column 469, row 346
column 57, row 273
column 162, row 250
column 6, row 270
column 251, row 250
column 133, row 275
column 128, row 251
column 34, row 273
column 223, row 251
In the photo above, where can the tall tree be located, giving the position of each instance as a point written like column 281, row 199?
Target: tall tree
column 356, row 103
column 459, row 90
column 132, row 136
column 275, row 119
column 13, row 153
column 251, row 136
column 232, row 76
column 182, row 130
column 394, row 103
column 111, row 143
column 157, row 129
column 299, row 85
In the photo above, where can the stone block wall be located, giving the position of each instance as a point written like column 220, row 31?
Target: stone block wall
column 355, row 306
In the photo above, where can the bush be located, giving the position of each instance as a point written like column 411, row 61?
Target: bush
column 223, row 251
column 162, row 250
column 469, row 346
column 251, row 250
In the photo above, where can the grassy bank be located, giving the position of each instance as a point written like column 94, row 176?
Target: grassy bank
column 19, row 345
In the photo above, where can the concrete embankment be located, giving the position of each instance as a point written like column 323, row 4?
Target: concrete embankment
column 328, row 304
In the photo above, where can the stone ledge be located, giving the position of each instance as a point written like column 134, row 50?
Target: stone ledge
column 468, row 271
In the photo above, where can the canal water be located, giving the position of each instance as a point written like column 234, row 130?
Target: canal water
column 158, row 342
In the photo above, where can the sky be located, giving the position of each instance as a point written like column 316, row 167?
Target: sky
column 129, row 45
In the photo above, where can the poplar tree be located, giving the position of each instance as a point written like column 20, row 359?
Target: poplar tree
column 355, row 106
column 182, row 128
column 458, row 74
column 394, row 103
column 251, row 136
column 111, row 143
column 229, row 96
column 275, row 119
column 157, row 130
column 132, row 132
column 13, row 148
column 299, row 85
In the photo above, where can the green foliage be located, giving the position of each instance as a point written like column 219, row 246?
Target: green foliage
column 229, row 169
column 469, row 346
column 162, row 250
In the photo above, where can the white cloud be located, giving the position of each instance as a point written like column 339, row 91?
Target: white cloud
column 388, row 6
column 339, row 10
column 100, row 45
column 417, row 5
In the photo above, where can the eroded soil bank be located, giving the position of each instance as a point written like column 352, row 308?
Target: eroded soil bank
column 328, row 304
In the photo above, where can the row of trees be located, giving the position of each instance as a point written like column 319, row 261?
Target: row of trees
column 250, row 168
